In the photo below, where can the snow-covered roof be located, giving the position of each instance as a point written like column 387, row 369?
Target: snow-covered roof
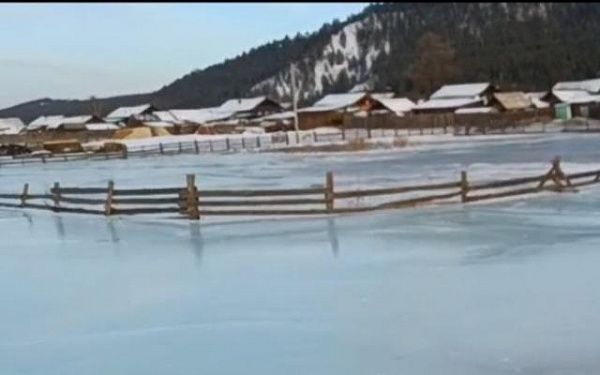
column 512, row 100
column 476, row 110
column 460, row 91
column 166, row 116
column 11, row 125
column 124, row 112
column 100, row 126
column 448, row 103
column 200, row 115
column 575, row 96
column 592, row 86
column 334, row 102
column 44, row 122
column 397, row 105
column 70, row 121
column 242, row 105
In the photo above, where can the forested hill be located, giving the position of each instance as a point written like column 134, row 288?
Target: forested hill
column 390, row 46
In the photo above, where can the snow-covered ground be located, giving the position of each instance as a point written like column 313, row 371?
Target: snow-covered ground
column 494, row 288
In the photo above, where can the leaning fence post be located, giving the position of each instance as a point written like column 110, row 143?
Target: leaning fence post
column 109, row 198
column 464, row 186
column 329, row 195
column 192, row 197
column 56, row 195
column 24, row 195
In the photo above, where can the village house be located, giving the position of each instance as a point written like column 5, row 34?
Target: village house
column 248, row 108
column 76, row 123
column 12, row 125
column 575, row 98
column 44, row 122
column 449, row 98
column 133, row 116
column 330, row 110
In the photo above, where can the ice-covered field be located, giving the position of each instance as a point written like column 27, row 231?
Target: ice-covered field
column 494, row 288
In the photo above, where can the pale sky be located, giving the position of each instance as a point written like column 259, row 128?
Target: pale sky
column 73, row 51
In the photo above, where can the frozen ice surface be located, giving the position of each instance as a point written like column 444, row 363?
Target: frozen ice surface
column 495, row 288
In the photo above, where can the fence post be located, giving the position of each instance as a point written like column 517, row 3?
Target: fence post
column 160, row 147
column 343, row 133
column 464, row 186
column 210, row 146
column 227, row 143
column 258, row 141
column 287, row 138
column 180, row 148
column 196, row 146
column 24, row 195
column 56, row 195
column 192, row 197
column 315, row 140
column 109, row 198
column 243, row 142
column 124, row 152
column 329, row 196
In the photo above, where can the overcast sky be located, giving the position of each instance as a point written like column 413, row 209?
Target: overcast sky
column 73, row 51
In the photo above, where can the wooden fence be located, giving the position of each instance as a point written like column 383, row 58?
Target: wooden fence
column 191, row 202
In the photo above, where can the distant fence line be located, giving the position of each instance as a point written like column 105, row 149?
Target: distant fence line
column 238, row 142
column 191, row 202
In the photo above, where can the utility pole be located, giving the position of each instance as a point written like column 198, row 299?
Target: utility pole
column 294, row 100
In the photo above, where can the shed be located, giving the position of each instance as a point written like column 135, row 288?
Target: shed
column 12, row 125
column 247, row 108
column 133, row 115
column 511, row 101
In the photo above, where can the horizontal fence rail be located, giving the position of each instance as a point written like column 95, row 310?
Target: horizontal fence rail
column 190, row 202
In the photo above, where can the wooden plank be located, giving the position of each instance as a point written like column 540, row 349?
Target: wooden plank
column 157, row 191
column 76, row 190
column 78, row 200
column 109, row 198
column 394, row 190
column 464, row 186
column 270, row 202
column 10, row 196
column 117, row 201
column 192, row 197
column 56, row 194
column 329, row 191
column 509, row 193
column 416, row 201
column 505, row 183
column 24, row 195
column 261, row 193
column 584, row 174
column 139, row 211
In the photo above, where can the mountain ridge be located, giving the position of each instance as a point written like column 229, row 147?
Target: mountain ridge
column 525, row 46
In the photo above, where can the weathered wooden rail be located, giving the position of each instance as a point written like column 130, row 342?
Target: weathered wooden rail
column 191, row 202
